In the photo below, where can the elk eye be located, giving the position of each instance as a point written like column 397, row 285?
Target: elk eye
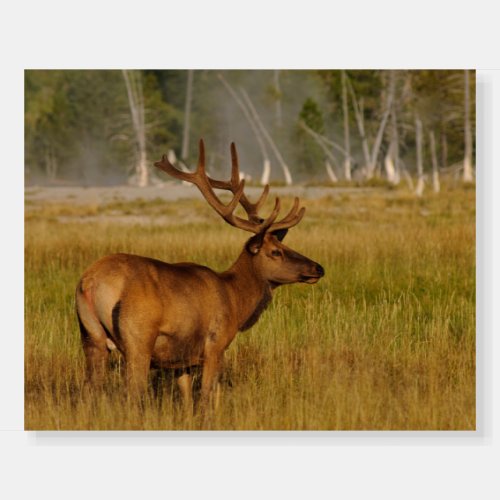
column 276, row 253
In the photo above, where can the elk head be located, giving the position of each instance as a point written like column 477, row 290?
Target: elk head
column 270, row 258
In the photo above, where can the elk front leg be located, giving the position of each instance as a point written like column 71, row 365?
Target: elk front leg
column 185, row 384
column 210, row 378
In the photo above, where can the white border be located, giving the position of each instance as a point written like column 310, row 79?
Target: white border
column 221, row 34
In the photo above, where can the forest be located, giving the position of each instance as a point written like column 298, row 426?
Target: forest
column 107, row 127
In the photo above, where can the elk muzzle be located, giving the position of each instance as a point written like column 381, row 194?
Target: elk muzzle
column 312, row 275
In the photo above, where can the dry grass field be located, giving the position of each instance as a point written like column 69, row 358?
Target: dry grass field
column 385, row 341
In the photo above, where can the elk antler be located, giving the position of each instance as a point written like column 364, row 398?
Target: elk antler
column 254, row 224
column 251, row 209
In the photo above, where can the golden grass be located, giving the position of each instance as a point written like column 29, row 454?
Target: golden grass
column 385, row 341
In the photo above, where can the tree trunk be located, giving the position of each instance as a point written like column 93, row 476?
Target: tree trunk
column 381, row 129
column 390, row 169
column 277, row 87
column 435, row 169
column 265, row 133
column 370, row 157
column 420, row 170
column 468, row 173
column 330, row 172
column 392, row 164
column 321, row 142
column 444, row 150
column 50, row 164
column 266, row 170
column 266, row 173
column 347, row 141
column 358, row 113
column 133, row 82
column 187, row 115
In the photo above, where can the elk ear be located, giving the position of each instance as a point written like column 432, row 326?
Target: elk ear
column 280, row 233
column 254, row 244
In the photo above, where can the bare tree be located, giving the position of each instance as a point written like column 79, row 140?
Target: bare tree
column 391, row 160
column 420, row 169
column 277, row 88
column 51, row 165
column 320, row 140
column 358, row 113
column 347, row 142
column 266, row 170
column 187, row 115
column 330, row 172
column 370, row 156
column 435, row 169
column 133, row 82
column 444, row 150
column 267, row 136
column 468, row 173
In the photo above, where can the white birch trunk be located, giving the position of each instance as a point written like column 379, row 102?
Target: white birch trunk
column 435, row 170
column 135, row 95
column 420, row 170
column 187, row 115
column 468, row 173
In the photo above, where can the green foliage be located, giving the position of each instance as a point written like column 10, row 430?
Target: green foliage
column 79, row 121
column 310, row 156
column 311, row 115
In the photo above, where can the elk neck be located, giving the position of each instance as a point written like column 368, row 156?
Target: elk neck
column 249, row 291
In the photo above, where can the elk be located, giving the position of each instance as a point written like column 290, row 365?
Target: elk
column 184, row 315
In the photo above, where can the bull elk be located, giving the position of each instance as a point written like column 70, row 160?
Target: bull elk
column 185, row 315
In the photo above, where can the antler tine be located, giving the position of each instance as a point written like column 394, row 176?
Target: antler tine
column 235, row 169
column 267, row 223
column 291, row 219
column 263, row 197
column 252, row 209
column 290, row 215
column 167, row 167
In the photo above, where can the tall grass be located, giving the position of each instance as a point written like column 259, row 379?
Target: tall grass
column 386, row 340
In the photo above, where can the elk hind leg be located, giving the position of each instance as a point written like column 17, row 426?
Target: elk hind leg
column 94, row 344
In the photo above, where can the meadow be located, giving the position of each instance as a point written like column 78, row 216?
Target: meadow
column 385, row 341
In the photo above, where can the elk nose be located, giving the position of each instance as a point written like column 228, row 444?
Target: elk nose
column 320, row 270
